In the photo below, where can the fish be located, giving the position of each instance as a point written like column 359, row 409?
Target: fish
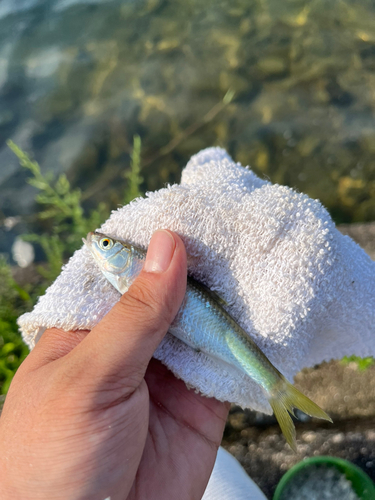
column 205, row 325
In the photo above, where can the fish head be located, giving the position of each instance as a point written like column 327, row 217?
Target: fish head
column 115, row 259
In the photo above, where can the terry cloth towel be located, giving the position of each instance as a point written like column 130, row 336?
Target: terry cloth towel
column 301, row 290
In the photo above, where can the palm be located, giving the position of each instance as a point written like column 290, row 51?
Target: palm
column 184, row 432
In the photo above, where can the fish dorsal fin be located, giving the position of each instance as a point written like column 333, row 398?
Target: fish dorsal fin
column 211, row 293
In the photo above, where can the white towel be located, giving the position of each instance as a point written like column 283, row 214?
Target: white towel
column 301, row 290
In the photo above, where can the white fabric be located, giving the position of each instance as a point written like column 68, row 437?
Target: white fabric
column 229, row 481
column 304, row 292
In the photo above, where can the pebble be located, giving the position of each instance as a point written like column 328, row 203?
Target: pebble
column 23, row 252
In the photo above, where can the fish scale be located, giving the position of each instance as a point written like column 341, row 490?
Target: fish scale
column 204, row 325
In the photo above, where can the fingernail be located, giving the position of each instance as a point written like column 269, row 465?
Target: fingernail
column 160, row 252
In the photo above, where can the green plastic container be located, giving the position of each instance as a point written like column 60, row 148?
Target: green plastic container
column 361, row 483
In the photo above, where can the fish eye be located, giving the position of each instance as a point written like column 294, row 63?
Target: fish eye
column 105, row 243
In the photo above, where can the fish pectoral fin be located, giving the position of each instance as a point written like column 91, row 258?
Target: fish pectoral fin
column 121, row 286
column 284, row 400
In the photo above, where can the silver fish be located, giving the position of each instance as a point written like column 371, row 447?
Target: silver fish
column 204, row 325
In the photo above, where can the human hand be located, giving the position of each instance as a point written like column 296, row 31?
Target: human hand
column 88, row 416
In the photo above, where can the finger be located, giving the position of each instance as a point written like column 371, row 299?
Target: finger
column 122, row 344
column 55, row 343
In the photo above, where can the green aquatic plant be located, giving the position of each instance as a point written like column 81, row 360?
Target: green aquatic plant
column 62, row 206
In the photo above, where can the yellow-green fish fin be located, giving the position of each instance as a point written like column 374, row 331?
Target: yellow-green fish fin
column 284, row 399
column 285, row 422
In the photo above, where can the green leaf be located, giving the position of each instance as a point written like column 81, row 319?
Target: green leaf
column 362, row 363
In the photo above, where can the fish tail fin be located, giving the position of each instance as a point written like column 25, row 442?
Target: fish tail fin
column 283, row 400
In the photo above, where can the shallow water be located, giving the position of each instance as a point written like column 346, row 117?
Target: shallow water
column 79, row 78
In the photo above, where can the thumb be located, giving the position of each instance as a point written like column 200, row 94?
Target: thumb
column 122, row 344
